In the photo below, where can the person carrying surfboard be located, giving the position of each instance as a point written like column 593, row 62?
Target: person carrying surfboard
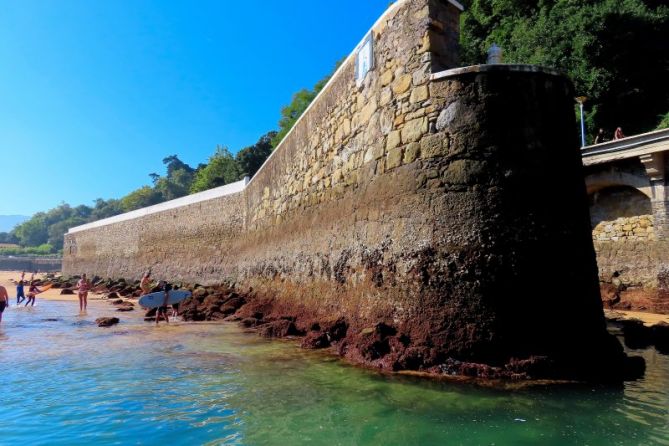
column 162, row 310
column 84, row 286
column 32, row 292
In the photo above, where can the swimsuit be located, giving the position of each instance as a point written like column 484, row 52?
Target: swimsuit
column 83, row 287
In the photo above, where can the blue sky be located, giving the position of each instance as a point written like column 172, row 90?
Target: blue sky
column 93, row 94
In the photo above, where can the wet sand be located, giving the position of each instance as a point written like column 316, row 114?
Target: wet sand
column 648, row 319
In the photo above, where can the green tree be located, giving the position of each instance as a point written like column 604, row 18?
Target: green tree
column 301, row 100
column 8, row 237
column 105, row 209
column 252, row 157
column 221, row 169
column 142, row 197
column 178, row 180
column 32, row 232
column 58, row 230
column 615, row 51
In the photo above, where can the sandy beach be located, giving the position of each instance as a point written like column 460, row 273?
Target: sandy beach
column 7, row 279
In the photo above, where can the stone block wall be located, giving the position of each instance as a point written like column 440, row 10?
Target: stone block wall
column 640, row 263
column 195, row 242
column 625, row 228
column 411, row 200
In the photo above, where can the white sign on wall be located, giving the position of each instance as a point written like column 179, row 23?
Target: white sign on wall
column 364, row 59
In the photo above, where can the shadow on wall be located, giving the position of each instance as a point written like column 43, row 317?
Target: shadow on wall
column 612, row 203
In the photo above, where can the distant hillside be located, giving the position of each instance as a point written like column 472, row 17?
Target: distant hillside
column 7, row 222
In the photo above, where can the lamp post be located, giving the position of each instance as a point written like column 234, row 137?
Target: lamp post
column 581, row 100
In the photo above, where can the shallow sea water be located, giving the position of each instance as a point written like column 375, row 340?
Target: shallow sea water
column 64, row 381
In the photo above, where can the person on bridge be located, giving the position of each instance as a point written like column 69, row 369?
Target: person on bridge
column 618, row 134
column 601, row 137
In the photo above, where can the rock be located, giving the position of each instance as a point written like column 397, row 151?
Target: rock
column 637, row 335
column 402, row 84
column 200, row 293
column 336, row 330
column 661, row 337
column 117, row 302
column 249, row 322
column 66, row 291
column 151, row 312
column 316, row 340
column 375, row 344
column 447, row 116
column 112, row 295
column 278, row 329
column 106, row 321
column 125, row 309
column 127, row 291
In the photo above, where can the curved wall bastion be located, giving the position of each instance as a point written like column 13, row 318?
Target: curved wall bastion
column 440, row 212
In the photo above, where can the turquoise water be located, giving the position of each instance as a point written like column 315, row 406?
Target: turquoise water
column 66, row 381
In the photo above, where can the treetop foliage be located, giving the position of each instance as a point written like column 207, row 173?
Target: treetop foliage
column 615, row 51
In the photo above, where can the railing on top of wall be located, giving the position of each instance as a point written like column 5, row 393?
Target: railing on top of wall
column 216, row 192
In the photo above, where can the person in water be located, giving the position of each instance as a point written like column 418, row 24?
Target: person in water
column 4, row 300
column 32, row 292
column 20, row 294
column 162, row 310
column 84, row 286
column 145, row 283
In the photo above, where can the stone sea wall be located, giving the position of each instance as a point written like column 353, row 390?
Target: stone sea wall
column 639, row 227
column 639, row 263
column 411, row 202
column 11, row 263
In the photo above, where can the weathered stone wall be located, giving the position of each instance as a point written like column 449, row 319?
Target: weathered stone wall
column 196, row 242
column 639, row 227
column 624, row 224
column 412, row 200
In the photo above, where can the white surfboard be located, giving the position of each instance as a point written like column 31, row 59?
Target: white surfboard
column 156, row 299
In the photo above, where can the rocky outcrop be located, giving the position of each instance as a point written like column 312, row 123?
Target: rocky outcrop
column 106, row 321
column 211, row 303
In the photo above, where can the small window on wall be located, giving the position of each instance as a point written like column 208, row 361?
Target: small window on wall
column 364, row 59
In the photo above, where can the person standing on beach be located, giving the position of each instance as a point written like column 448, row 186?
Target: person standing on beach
column 20, row 295
column 4, row 300
column 32, row 292
column 84, row 286
column 162, row 310
column 145, row 283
